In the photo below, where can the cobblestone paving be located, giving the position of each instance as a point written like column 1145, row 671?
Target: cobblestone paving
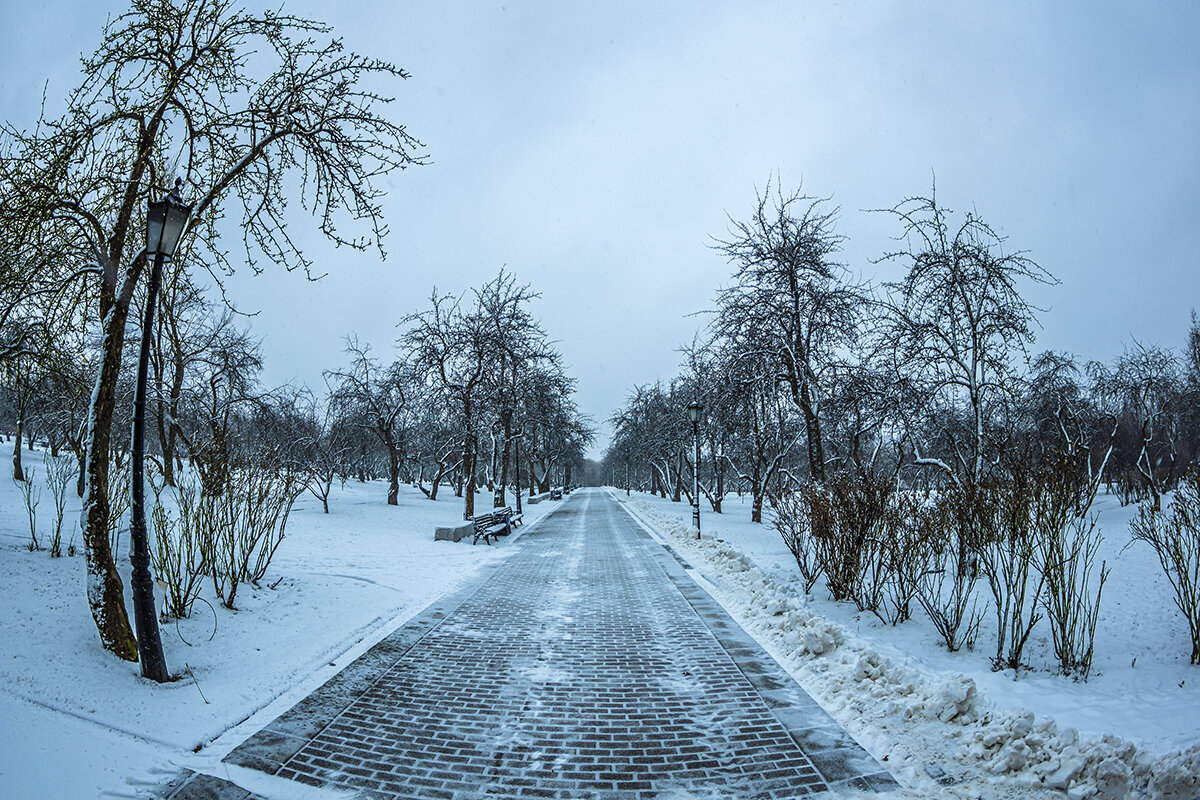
column 588, row 665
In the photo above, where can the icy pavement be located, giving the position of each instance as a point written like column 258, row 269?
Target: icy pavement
column 587, row 665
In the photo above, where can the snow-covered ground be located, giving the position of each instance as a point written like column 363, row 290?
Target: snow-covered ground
column 1132, row 730
column 78, row 723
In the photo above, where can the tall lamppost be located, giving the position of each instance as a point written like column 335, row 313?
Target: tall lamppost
column 165, row 222
column 694, row 411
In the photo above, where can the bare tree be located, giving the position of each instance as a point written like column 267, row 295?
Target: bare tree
column 553, row 429
column 1144, row 391
column 325, row 447
column 379, row 398
column 958, row 320
column 788, row 287
column 450, row 347
column 438, row 448
column 766, row 434
column 222, row 389
column 171, row 89
column 187, row 328
column 517, row 346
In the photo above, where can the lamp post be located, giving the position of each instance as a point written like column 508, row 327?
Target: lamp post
column 517, row 459
column 694, row 414
column 165, row 221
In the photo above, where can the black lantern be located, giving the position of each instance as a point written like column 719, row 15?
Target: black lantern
column 165, row 222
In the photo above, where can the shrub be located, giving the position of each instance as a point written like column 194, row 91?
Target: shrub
column 790, row 513
column 59, row 472
column 32, row 495
column 1175, row 536
column 1067, row 543
column 945, row 585
column 177, row 558
column 245, row 525
column 1006, row 550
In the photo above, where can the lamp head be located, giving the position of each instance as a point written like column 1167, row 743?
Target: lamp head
column 165, row 221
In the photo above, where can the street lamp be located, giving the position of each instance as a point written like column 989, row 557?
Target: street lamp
column 165, row 222
column 517, row 458
column 694, row 411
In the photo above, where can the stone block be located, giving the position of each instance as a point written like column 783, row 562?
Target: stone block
column 454, row 533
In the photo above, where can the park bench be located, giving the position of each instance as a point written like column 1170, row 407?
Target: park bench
column 513, row 519
column 556, row 494
column 496, row 523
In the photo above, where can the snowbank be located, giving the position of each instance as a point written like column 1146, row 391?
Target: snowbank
column 932, row 727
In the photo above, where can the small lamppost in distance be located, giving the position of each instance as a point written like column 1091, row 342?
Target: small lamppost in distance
column 694, row 411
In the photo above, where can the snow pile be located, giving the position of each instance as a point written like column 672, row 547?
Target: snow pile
column 929, row 730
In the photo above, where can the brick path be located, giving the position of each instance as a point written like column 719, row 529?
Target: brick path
column 587, row 665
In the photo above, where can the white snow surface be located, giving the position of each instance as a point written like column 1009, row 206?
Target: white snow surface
column 78, row 723
column 1132, row 730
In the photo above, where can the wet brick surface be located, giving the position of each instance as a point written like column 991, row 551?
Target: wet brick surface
column 588, row 665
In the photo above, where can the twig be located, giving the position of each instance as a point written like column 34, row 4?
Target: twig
column 196, row 682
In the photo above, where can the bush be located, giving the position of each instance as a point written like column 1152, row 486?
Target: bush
column 177, row 556
column 790, row 513
column 1006, row 550
column 245, row 525
column 945, row 584
column 908, row 539
column 59, row 472
column 1067, row 543
column 854, row 534
column 847, row 522
column 32, row 495
column 1175, row 536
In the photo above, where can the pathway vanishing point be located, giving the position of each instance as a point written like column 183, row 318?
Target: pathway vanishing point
column 588, row 665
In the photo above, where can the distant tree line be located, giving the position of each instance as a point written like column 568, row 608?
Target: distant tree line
column 904, row 438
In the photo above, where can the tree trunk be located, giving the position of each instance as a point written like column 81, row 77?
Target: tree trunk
column 166, row 428
column 493, row 467
column 80, row 474
column 393, row 497
column 812, row 427
column 498, row 501
column 468, row 469
column 18, row 473
column 437, row 481
column 719, row 469
column 756, row 491
column 104, row 589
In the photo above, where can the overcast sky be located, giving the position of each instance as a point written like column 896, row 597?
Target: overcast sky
column 595, row 148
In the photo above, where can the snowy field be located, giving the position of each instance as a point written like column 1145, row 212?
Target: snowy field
column 1132, row 730
column 81, row 724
